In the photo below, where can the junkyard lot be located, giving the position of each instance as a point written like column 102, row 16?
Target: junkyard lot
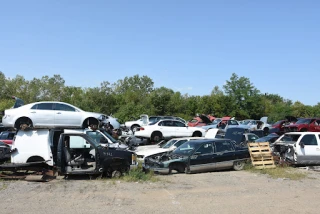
column 217, row 192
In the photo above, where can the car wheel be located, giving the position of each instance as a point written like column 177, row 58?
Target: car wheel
column 238, row 165
column 24, row 124
column 197, row 134
column 116, row 174
column 134, row 128
column 266, row 131
column 156, row 137
column 90, row 122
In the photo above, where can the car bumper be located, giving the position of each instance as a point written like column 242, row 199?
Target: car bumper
column 157, row 169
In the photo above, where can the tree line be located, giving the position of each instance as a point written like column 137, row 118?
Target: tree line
column 130, row 97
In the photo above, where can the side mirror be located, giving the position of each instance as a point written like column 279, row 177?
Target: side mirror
column 301, row 144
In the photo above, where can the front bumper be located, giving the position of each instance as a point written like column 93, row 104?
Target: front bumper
column 134, row 166
column 163, row 170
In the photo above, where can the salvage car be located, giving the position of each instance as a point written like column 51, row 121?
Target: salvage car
column 200, row 156
column 165, row 129
column 168, row 147
column 280, row 125
column 60, row 150
column 146, row 120
column 271, row 138
column 261, row 124
column 298, row 148
column 200, row 120
column 50, row 115
column 304, row 125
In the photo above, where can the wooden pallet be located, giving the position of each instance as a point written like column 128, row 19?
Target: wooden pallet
column 261, row 156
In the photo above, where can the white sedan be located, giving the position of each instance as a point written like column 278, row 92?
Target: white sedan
column 168, row 129
column 50, row 115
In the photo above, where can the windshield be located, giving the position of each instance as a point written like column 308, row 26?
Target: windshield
column 109, row 136
column 153, row 120
column 303, row 121
column 186, row 148
column 278, row 123
column 168, row 144
column 100, row 138
column 252, row 137
column 290, row 137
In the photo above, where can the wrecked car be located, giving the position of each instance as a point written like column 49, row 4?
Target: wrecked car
column 200, row 120
column 200, row 156
column 304, row 125
column 298, row 148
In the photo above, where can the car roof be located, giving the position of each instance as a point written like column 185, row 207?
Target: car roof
column 302, row 133
column 186, row 138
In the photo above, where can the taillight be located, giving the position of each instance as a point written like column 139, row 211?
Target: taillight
column 141, row 128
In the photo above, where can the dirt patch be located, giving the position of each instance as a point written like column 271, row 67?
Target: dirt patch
column 216, row 192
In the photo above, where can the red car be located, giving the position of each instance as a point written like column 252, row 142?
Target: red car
column 280, row 125
column 201, row 120
column 304, row 125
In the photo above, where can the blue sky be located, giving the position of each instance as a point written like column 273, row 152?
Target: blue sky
column 188, row 46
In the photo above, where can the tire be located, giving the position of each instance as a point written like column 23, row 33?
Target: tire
column 23, row 123
column 238, row 165
column 156, row 137
column 134, row 128
column 90, row 122
column 197, row 134
column 116, row 174
column 266, row 131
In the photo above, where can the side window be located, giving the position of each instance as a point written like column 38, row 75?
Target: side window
column 44, row 106
column 11, row 136
column 224, row 146
column 160, row 124
column 317, row 123
column 178, row 124
column 168, row 123
column 309, row 139
column 63, row 107
column 3, row 136
column 77, row 142
column 205, row 149
column 179, row 143
column 34, row 106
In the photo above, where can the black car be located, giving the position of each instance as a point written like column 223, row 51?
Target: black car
column 4, row 151
column 199, row 156
column 271, row 138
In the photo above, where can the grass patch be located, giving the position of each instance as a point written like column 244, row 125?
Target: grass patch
column 278, row 172
column 138, row 175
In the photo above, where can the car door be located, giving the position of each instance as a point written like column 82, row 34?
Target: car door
column 309, row 151
column 42, row 114
column 224, row 154
column 167, row 129
column 202, row 158
column 181, row 129
column 66, row 115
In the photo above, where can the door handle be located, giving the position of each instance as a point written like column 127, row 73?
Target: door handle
column 33, row 112
column 59, row 113
column 318, row 149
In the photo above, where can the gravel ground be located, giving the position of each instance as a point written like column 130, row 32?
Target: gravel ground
column 216, row 192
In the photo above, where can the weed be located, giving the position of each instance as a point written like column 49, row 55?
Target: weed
column 138, row 174
column 278, row 172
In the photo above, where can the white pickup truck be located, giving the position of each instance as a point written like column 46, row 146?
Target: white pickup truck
column 299, row 148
